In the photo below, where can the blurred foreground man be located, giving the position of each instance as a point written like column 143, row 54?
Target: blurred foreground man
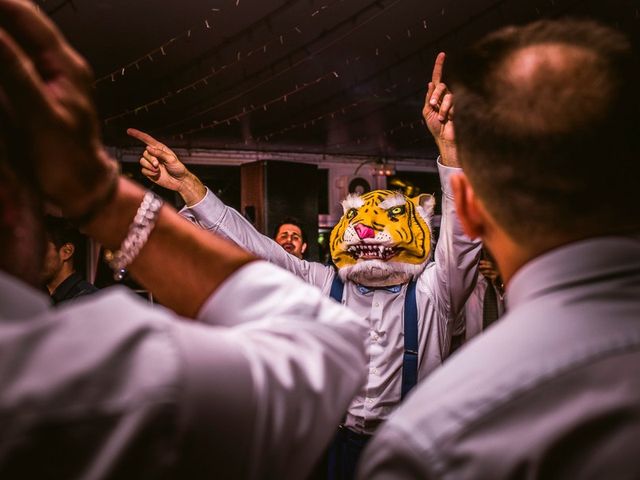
column 107, row 386
column 548, row 134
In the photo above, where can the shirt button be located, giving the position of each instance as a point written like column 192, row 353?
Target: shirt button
column 373, row 371
column 376, row 304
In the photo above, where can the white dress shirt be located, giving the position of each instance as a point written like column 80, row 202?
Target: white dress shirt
column 441, row 291
column 111, row 387
column 552, row 390
column 474, row 309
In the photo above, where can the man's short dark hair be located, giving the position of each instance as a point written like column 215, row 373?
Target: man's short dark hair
column 550, row 142
column 290, row 221
column 60, row 231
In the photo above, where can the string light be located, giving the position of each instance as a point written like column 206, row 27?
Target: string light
column 342, row 110
column 283, row 97
column 207, row 26
column 252, row 108
column 202, row 80
column 308, row 57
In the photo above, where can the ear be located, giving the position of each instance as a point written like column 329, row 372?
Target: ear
column 426, row 202
column 66, row 251
column 303, row 248
column 470, row 212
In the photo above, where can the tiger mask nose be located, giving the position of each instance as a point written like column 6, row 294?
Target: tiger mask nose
column 364, row 232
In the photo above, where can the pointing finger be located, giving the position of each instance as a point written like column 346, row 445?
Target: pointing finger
column 144, row 138
column 436, row 76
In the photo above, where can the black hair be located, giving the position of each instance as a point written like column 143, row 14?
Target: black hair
column 290, row 221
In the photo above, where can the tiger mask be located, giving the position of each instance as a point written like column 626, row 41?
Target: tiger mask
column 383, row 238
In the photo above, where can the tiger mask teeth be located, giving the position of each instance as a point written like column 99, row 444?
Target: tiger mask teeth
column 364, row 251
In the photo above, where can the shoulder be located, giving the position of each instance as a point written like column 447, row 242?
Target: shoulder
column 507, row 394
column 82, row 288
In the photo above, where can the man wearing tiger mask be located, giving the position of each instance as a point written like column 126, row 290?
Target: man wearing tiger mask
column 381, row 248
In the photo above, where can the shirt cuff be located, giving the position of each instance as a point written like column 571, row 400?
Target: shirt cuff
column 208, row 212
column 445, row 177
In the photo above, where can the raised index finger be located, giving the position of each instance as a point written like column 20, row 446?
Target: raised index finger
column 436, row 76
column 144, row 138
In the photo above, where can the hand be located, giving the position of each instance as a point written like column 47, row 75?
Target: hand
column 438, row 113
column 161, row 165
column 488, row 269
column 45, row 89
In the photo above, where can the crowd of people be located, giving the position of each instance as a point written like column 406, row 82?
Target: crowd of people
column 261, row 364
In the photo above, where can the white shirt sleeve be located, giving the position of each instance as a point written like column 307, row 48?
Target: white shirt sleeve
column 213, row 215
column 456, row 263
column 303, row 373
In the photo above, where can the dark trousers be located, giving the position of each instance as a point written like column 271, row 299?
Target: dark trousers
column 344, row 453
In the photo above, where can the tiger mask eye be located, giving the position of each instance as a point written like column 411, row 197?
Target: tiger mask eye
column 397, row 210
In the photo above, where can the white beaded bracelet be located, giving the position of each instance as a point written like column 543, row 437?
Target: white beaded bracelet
column 138, row 234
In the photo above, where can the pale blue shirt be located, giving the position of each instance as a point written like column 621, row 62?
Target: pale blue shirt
column 552, row 390
column 111, row 387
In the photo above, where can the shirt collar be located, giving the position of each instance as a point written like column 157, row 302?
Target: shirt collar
column 580, row 261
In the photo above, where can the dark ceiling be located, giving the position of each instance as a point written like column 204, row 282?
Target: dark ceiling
column 325, row 76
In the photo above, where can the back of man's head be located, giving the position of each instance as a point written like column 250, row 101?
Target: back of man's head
column 548, row 132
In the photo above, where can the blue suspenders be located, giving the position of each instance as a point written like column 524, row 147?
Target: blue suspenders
column 410, row 357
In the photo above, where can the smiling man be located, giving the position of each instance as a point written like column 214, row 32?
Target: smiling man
column 290, row 236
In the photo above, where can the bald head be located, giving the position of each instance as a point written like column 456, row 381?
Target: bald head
column 546, row 120
column 551, row 88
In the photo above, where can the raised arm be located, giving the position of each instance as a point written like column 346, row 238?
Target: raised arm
column 456, row 255
column 46, row 89
column 438, row 114
column 161, row 165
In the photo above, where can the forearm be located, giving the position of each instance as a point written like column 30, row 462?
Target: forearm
column 175, row 249
column 191, row 189
column 213, row 215
column 448, row 154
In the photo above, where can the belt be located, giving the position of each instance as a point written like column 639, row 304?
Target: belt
column 345, row 433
